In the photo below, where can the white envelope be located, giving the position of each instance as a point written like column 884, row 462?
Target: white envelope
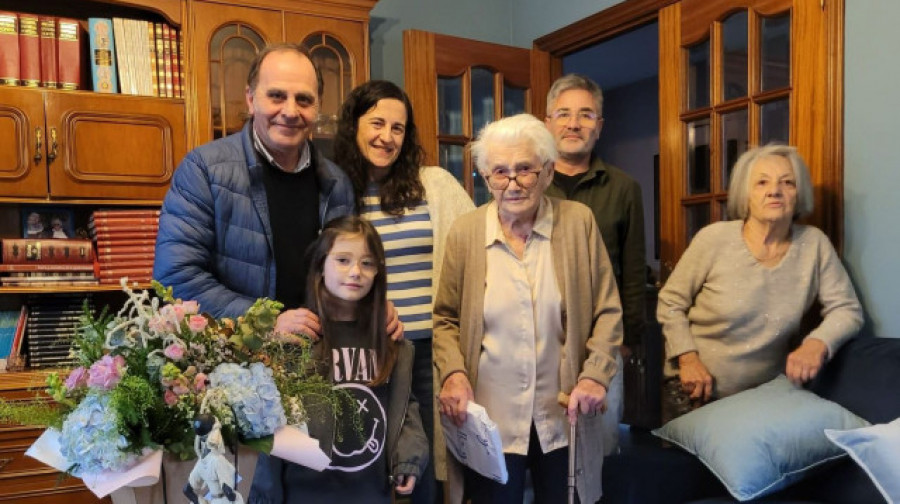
column 476, row 443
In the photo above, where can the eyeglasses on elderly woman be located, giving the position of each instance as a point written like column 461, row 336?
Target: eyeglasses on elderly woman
column 500, row 178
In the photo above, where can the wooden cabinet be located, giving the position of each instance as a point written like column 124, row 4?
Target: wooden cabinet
column 86, row 145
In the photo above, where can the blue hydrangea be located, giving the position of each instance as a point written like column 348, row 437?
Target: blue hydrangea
column 90, row 440
column 253, row 397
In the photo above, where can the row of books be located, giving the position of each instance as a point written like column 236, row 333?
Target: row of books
column 37, row 262
column 12, row 332
column 126, row 55
column 126, row 244
column 50, row 326
column 40, row 51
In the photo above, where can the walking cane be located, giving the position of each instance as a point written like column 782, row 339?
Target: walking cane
column 563, row 400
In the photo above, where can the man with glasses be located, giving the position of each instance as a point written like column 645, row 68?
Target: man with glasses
column 575, row 119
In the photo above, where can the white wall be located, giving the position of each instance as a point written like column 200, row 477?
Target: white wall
column 532, row 19
column 872, row 159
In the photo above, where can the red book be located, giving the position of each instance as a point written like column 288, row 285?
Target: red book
column 129, row 249
column 125, row 234
column 176, row 66
column 127, row 260
column 49, row 251
column 126, row 213
column 116, row 222
column 167, row 61
column 116, row 243
column 9, row 49
column 44, row 268
column 68, row 53
column 20, row 334
column 29, row 51
column 138, row 272
column 49, row 75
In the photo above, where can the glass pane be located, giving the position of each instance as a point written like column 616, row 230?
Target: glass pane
column 336, row 67
column 734, row 56
column 482, row 195
column 513, row 100
column 696, row 217
column 698, row 75
column 775, row 53
column 237, row 55
column 698, row 156
column 735, row 141
column 451, row 158
column 482, row 98
column 450, row 106
column 775, row 121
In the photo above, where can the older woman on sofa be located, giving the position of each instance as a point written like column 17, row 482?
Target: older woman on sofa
column 733, row 305
column 527, row 307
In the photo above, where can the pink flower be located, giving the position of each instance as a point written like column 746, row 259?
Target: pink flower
column 77, row 378
column 174, row 351
column 160, row 324
column 106, row 372
column 200, row 382
column 197, row 323
column 180, row 387
column 191, row 307
column 170, row 397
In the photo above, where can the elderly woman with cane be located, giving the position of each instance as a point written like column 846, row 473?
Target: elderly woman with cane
column 527, row 307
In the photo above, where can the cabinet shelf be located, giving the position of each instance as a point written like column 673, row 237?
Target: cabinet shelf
column 69, row 288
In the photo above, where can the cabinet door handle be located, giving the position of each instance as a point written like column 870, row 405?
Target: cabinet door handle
column 38, row 144
column 54, row 146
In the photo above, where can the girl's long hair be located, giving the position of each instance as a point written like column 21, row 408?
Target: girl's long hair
column 401, row 188
column 371, row 309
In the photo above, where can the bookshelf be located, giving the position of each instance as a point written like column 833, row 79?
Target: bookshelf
column 86, row 150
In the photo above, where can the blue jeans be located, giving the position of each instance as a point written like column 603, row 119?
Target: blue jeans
column 427, row 491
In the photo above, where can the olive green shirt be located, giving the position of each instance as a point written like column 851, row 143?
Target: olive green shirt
column 615, row 200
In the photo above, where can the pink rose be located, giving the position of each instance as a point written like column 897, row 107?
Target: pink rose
column 174, row 351
column 179, row 312
column 200, row 382
column 77, row 378
column 159, row 324
column 106, row 372
column 170, row 397
column 180, row 387
column 191, row 307
column 197, row 323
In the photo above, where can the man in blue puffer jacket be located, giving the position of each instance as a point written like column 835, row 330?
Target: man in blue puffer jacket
column 242, row 210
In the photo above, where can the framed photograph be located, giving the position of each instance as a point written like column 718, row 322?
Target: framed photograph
column 48, row 222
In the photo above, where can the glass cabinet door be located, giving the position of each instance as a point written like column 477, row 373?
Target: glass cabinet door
column 231, row 51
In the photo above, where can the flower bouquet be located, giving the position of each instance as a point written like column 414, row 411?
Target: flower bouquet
column 149, row 371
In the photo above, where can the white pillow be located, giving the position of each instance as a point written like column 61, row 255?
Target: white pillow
column 877, row 450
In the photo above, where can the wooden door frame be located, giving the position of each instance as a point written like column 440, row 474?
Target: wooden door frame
column 825, row 153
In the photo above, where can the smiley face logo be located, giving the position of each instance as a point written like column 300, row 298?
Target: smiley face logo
column 357, row 451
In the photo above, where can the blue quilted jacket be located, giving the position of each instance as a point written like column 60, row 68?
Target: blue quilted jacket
column 215, row 242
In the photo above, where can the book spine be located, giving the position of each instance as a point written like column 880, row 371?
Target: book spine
column 167, row 56
column 160, row 57
column 180, row 64
column 68, row 53
column 126, row 83
column 120, row 272
column 20, row 332
column 176, row 67
column 129, row 249
column 44, row 268
column 29, row 51
column 123, row 234
column 117, row 214
column 132, row 260
column 125, row 222
column 51, row 251
column 103, row 55
column 9, row 49
column 49, row 76
column 114, row 243
column 154, row 64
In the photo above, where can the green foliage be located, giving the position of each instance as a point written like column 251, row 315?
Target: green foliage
column 32, row 413
column 90, row 336
column 134, row 399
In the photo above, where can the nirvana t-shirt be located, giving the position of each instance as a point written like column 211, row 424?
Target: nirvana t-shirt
column 358, row 470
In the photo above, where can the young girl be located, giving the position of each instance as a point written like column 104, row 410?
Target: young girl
column 346, row 287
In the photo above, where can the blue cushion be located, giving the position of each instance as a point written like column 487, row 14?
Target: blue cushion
column 763, row 439
column 877, row 450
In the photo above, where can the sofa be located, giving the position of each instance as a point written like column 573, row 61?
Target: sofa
column 863, row 377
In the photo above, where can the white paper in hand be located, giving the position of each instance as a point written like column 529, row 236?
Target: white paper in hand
column 476, row 443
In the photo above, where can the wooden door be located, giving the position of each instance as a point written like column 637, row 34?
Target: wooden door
column 457, row 86
column 742, row 73
column 23, row 152
column 224, row 41
column 123, row 148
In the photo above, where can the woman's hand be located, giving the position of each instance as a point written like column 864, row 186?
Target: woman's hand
column 299, row 321
column 405, row 484
column 695, row 378
column 394, row 326
column 804, row 363
column 455, row 396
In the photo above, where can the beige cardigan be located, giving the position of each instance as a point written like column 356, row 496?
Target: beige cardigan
column 592, row 318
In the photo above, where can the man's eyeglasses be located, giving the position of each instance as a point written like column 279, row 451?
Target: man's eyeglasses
column 499, row 180
column 582, row 117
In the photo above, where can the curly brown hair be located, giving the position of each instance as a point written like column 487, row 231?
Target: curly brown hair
column 401, row 188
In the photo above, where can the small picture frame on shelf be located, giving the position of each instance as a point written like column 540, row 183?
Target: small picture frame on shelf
column 48, row 222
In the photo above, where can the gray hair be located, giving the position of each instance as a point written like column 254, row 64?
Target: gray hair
column 510, row 130
column 739, row 187
column 575, row 81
